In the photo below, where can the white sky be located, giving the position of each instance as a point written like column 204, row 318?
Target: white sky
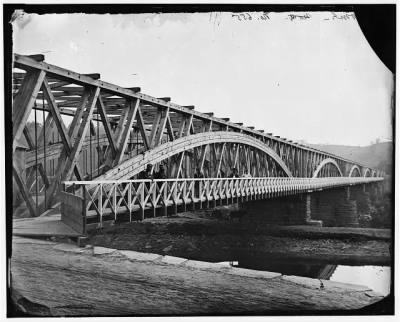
column 316, row 80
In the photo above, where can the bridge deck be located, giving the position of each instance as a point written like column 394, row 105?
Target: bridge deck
column 42, row 227
column 110, row 200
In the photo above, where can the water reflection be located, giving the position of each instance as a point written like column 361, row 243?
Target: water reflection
column 377, row 278
column 288, row 266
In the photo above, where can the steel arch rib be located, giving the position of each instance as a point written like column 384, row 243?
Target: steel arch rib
column 367, row 171
column 325, row 162
column 355, row 167
column 136, row 164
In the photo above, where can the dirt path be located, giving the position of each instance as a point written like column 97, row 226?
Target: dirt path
column 52, row 279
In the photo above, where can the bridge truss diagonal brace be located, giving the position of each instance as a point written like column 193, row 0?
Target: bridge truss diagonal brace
column 161, row 127
column 39, row 165
column 67, row 162
column 133, row 108
column 117, row 133
column 170, row 129
column 142, row 129
column 106, row 125
column 24, row 101
column 87, row 115
column 155, row 126
column 56, row 116
column 24, row 192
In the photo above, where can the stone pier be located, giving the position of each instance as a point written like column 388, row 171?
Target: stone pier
column 287, row 210
column 335, row 207
column 339, row 207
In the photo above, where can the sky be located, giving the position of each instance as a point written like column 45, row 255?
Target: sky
column 312, row 79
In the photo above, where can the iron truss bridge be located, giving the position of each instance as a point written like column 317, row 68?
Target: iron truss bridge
column 75, row 127
column 93, row 202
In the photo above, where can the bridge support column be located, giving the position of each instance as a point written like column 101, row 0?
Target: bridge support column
column 373, row 191
column 381, row 190
column 335, row 208
column 322, row 207
column 289, row 210
column 346, row 214
column 359, row 194
column 310, row 207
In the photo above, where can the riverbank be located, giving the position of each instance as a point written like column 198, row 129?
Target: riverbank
column 56, row 279
column 203, row 238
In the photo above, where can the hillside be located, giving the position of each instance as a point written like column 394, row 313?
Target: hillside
column 378, row 155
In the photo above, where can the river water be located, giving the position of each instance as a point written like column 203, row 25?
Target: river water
column 377, row 278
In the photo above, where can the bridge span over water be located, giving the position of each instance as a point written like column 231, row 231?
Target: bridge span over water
column 76, row 136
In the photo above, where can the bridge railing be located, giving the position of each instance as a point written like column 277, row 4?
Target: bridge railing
column 105, row 199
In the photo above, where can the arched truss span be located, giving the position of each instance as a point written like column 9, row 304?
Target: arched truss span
column 367, row 173
column 136, row 164
column 355, row 168
column 324, row 163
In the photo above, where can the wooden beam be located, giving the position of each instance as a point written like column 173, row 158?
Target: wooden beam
column 24, row 101
column 220, row 159
column 29, row 139
column 203, row 156
column 38, row 58
column 56, row 116
column 56, row 85
column 180, row 164
column 160, row 130
column 24, row 192
column 170, row 129
column 81, row 134
column 32, row 147
column 154, row 128
column 141, row 125
column 93, row 76
column 133, row 107
column 78, row 127
column 134, row 89
column 189, row 124
column 120, row 126
column 106, row 125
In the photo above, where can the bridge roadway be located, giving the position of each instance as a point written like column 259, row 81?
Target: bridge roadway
column 81, row 107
